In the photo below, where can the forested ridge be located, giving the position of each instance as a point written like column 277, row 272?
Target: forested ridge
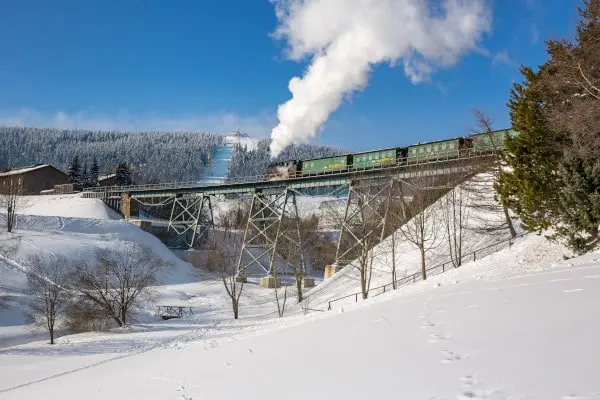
column 153, row 156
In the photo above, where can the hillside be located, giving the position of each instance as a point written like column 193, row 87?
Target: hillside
column 156, row 156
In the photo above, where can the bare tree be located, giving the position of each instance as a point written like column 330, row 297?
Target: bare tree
column 224, row 259
column 396, row 216
column 423, row 228
column 485, row 125
column 298, row 240
column 281, row 302
column 11, row 189
column 362, row 228
column 120, row 280
column 456, row 209
column 48, row 289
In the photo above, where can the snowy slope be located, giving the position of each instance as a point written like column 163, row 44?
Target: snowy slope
column 347, row 280
column 66, row 205
column 75, row 238
column 529, row 336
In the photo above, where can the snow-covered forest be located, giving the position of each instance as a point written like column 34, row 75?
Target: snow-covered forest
column 157, row 156
column 250, row 162
column 154, row 156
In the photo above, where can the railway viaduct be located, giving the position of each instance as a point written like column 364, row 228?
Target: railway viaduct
column 188, row 206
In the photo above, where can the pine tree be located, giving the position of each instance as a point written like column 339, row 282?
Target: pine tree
column 74, row 171
column 553, row 179
column 123, row 177
column 528, row 185
column 94, row 172
column 84, row 180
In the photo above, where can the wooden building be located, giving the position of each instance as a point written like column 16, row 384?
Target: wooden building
column 107, row 180
column 33, row 179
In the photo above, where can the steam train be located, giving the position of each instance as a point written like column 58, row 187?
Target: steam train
column 417, row 153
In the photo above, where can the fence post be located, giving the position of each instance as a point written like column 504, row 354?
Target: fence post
column 474, row 256
column 414, row 278
column 444, row 267
column 329, row 308
column 356, row 298
column 383, row 288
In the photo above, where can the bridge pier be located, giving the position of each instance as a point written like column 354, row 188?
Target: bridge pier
column 364, row 220
column 273, row 223
column 126, row 205
column 191, row 215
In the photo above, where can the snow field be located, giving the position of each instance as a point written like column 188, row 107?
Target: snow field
column 492, row 329
column 483, row 339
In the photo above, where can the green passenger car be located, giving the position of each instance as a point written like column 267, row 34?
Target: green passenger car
column 437, row 150
column 322, row 165
column 375, row 158
column 492, row 140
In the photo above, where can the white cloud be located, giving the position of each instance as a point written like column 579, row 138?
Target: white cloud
column 258, row 126
column 502, row 57
column 346, row 39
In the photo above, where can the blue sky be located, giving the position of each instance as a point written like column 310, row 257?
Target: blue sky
column 212, row 65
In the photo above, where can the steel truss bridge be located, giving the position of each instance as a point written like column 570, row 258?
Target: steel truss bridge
column 369, row 194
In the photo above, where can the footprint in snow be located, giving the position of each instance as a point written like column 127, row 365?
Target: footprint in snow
column 435, row 338
column 450, row 357
column 427, row 324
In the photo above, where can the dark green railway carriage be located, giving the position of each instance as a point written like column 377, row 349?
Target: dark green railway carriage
column 437, row 150
column 378, row 158
column 327, row 164
column 492, row 140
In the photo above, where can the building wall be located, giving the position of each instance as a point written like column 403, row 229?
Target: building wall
column 41, row 179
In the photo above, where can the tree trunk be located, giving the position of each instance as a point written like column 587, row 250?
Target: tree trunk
column 51, row 335
column 423, row 271
column 235, row 308
column 299, row 288
column 509, row 222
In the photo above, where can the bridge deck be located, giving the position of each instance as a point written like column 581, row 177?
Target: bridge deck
column 442, row 165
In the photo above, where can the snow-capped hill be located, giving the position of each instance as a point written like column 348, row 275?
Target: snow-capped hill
column 242, row 138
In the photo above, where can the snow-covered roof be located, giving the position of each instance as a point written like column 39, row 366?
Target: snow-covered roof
column 22, row 170
column 107, row 176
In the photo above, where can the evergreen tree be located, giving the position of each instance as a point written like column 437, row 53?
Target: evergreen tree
column 553, row 179
column 94, row 172
column 84, row 180
column 74, row 171
column 528, row 185
column 123, row 177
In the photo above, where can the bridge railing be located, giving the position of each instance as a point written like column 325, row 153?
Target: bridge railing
column 406, row 162
column 431, row 271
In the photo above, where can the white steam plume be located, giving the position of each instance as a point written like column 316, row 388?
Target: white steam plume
column 346, row 38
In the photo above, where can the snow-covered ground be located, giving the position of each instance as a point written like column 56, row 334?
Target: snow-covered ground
column 66, row 205
column 516, row 324
column 463, row 335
